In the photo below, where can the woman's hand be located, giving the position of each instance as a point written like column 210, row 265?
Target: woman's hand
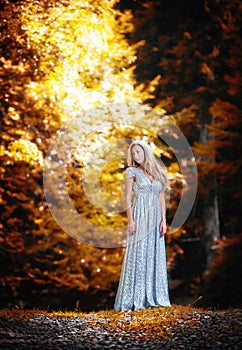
column 161, row 198
column 131, row 227
column 163, row 228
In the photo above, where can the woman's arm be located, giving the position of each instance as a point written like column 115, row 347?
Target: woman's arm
column 128, row 197
column 161, row 198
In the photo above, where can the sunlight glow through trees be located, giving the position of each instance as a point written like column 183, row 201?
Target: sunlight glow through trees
column 83, row 60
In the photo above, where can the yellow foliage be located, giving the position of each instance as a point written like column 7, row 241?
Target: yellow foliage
column 84, row 60
column 2, row 153
column 25, row 150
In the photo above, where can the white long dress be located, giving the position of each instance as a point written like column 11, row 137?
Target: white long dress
column 143, row 280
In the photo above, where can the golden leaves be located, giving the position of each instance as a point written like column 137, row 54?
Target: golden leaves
column 207, row 70
column 84, row 58
column 225, row 112
column 25, row 150
column 14, row 239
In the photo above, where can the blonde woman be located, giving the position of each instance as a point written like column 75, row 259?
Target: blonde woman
column 143, row 280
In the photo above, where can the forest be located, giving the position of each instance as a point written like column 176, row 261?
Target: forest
column 78, row 81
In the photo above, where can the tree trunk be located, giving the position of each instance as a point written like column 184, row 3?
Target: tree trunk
column 211, row 223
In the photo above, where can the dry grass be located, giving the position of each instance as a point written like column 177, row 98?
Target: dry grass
column 150, row 320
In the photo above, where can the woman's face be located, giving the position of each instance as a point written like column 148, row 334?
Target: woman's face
column 138, row 154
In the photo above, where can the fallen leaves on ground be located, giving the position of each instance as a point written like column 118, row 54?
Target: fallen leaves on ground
column 175, row 327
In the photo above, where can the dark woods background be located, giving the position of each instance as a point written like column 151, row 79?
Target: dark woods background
column 188, row 65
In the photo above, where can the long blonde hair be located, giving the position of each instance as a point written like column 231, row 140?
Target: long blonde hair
column 151, row 165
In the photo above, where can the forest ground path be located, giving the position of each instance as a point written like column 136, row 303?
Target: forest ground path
column 158, row 328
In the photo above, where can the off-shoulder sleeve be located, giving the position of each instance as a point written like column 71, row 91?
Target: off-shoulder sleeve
column 129, row 172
